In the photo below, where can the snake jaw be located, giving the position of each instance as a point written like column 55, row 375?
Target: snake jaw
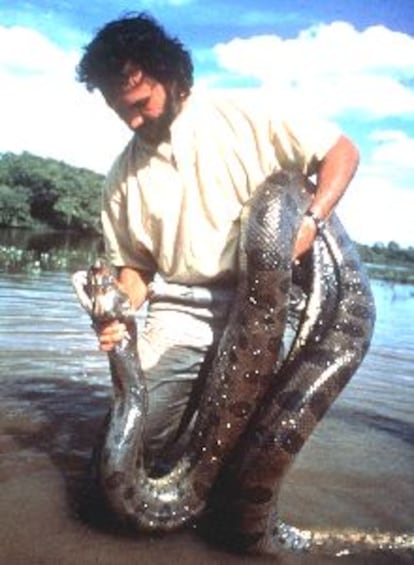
column 79, row 283
column 100, row 295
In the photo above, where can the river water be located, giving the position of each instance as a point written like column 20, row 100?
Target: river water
column 356, row 471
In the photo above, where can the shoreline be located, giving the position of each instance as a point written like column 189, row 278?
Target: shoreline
column 15, row 259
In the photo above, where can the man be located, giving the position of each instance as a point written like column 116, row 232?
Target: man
column 173, row 198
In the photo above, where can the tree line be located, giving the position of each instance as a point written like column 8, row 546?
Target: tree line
column 390, row 254
column 37, row 191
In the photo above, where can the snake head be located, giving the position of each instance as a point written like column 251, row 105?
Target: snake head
column 99, row 294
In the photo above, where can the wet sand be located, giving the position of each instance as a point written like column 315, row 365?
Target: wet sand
column 51, row 514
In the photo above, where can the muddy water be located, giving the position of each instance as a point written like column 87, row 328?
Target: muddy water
column 355, row 472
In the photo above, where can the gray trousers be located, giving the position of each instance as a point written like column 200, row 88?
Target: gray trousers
column 176, row 345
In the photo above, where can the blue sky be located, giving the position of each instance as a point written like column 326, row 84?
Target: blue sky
column 348, row 61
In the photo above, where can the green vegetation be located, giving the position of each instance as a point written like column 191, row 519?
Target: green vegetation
column 32, row 251
column 16, row 260
column 389, row 262
column 44, row 192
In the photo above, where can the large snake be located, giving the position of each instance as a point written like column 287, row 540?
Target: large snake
column 260, row 404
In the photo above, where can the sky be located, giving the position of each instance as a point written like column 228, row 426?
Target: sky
column 350, row 61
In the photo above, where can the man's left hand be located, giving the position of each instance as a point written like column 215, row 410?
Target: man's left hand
column 305, row 238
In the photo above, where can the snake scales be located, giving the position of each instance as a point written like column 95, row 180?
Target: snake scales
column 259, row 404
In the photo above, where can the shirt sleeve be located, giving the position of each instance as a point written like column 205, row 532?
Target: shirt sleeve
column 121, row 247
column 302, row 140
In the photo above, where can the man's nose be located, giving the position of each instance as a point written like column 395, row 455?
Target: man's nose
column 135, row 122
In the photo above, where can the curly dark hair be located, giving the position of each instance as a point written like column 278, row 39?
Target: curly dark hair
column 138, row 39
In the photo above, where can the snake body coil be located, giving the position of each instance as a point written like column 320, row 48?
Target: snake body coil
column 259, row 404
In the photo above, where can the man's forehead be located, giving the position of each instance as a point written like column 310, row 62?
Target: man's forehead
column 132, row 75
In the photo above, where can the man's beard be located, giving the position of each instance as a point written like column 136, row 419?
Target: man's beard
column 157, row 130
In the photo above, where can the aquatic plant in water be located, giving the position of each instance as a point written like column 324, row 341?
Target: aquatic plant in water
column 16, row 260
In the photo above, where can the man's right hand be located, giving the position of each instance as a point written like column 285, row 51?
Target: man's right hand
column 134, row 284
column 110, row 334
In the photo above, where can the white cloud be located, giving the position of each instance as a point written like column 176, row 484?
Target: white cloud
column 379, row 205
column 45, row 111
column 339, row 72
column 335, row 66
column 24, row 50
column 375, row 209
column 393, row 147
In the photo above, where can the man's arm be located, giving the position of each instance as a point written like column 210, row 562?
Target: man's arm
column 334, row 174
column 135, row 284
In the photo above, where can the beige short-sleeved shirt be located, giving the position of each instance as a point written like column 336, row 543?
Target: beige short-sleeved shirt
column 175, row 209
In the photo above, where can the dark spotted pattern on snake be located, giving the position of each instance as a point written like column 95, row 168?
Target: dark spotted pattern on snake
column 260, row 403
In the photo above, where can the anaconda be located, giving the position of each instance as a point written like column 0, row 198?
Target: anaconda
column 259, row 404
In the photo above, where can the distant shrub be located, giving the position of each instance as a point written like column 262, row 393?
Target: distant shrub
column 14, row 206
column 37, row 190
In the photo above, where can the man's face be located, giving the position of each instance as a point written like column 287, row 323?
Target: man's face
column 143, row 104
